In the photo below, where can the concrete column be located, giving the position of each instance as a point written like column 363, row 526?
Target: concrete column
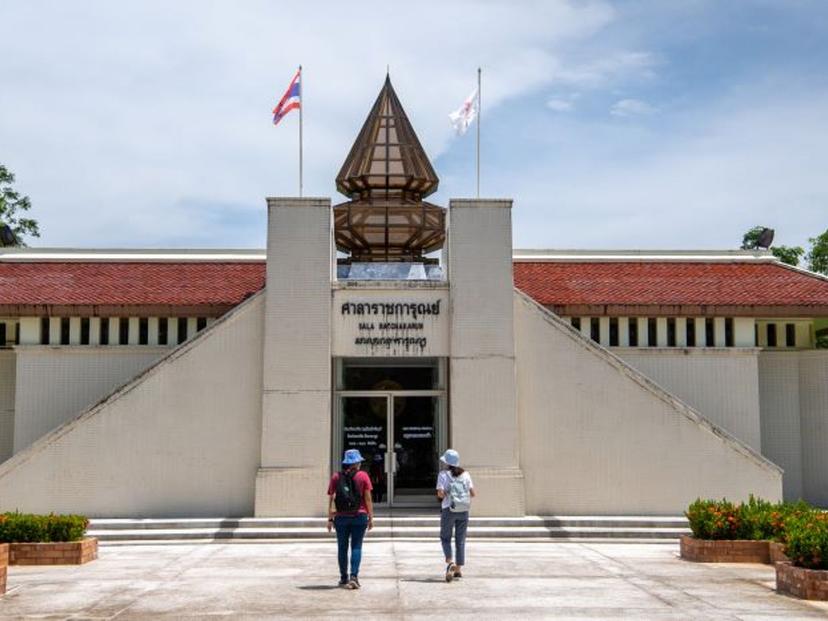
column 719, row 331
column 152, row 331
column 681, row 331
column 700, row 332
column 483, row 415
column 192, row 327
column 643, row 332
column 296, row 400
column 585, row 326
column 624, row 331
column 94, row 330
column 54, row 330
column 30, row 330
column 74, row 330
column 661, row 331
column 743, row 332
column 603, row 331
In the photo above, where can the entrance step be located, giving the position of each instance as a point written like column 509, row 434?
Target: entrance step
column 386, row 527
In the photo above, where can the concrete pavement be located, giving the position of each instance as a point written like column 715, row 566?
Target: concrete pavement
column 401, row 580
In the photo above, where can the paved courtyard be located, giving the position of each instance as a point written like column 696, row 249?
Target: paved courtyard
column 401, row 580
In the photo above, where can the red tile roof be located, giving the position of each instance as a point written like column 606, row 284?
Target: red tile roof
column 195, row 285
column 761, row 286
column 569, row 287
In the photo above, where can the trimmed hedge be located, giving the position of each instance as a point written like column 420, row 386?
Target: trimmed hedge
column 807, row 540
column 802, row 528
column 32, row 528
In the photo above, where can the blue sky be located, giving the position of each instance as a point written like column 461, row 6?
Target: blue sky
column 629, row 124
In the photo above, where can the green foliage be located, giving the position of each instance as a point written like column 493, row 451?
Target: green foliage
column 751, row 237
column 818, row 256
column 807, row 540
column 755, row 519
column 11, row 206
column 31, row 528
column 715, row 519
column 788, row 254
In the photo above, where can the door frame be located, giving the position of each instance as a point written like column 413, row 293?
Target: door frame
column 440, row 427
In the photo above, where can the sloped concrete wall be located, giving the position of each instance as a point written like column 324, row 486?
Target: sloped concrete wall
column 597, row 437
column 721, row 383
column 55, row 383
column 813, row 403
column 180, row 440
column 780, row 408
column 7, row 388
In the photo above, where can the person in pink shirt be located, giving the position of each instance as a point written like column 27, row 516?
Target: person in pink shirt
column 351, row 512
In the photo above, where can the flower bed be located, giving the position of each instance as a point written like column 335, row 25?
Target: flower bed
column 46, row 539
column 4, row 562
column 70, row 553
column 724, row 550
column 801, row 582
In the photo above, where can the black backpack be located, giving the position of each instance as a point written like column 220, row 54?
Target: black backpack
column 347, row 496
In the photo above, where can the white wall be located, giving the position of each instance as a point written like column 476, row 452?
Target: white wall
column 181, row 440
column 781, row 428
column 722, row 384
column 296, row 371
column 55, row 384
column 483, row 412
column 813, row 403
column 7, row 381
column 597, row 437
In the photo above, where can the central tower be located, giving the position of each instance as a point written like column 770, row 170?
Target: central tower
column 386, row 176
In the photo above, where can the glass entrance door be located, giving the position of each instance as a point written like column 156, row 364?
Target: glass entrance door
column 415, row 447
column 399, row 434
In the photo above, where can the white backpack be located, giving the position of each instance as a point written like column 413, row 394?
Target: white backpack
column 459, row 496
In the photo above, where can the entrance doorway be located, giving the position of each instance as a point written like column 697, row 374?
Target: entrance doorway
column 395, row 415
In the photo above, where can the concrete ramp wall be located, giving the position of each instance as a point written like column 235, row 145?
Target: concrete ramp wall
column 598, row 437
column 182, row 439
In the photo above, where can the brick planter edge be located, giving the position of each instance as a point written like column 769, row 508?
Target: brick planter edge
column 800, row 582
column 724, row 550
column 69, row 553
column 777, row 552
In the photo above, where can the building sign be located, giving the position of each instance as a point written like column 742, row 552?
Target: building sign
column 390, row 323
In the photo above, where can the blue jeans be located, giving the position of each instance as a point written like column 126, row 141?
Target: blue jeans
column 459, row 523
column 351, row 527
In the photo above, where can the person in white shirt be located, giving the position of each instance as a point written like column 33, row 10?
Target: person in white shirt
column 455, row 490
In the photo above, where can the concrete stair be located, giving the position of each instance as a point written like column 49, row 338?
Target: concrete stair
column 424, row 526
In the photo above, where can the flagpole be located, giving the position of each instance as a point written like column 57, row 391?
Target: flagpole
column 301, row 108
column 479, row 119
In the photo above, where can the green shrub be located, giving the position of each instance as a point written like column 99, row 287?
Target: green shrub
column 32, row 528
column 715, row 519
column 807, row 540
column 757, row 519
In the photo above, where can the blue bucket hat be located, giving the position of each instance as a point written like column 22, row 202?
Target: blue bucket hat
column 451, row 457
column 352, row 456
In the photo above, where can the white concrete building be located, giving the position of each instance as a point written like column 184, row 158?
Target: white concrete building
column 227, row 383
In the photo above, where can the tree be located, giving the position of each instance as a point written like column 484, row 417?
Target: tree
column 818, row 256
column 786, row 254
column 12, row 204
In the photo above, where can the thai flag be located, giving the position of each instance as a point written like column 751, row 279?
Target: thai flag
column 291, row 100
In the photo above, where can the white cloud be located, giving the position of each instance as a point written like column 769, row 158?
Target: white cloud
column 115, row 116
column 560, row 105
column 632, row 107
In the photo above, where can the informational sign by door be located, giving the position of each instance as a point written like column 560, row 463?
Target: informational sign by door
column 390, row 323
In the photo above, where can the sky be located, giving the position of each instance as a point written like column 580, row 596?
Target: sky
column 612, row 124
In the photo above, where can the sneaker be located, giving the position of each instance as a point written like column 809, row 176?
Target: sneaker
column 450, row 569
column 343, row 584
column 354, row 583
column 458, row 573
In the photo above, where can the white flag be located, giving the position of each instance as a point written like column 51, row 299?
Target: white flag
column 465, row 114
